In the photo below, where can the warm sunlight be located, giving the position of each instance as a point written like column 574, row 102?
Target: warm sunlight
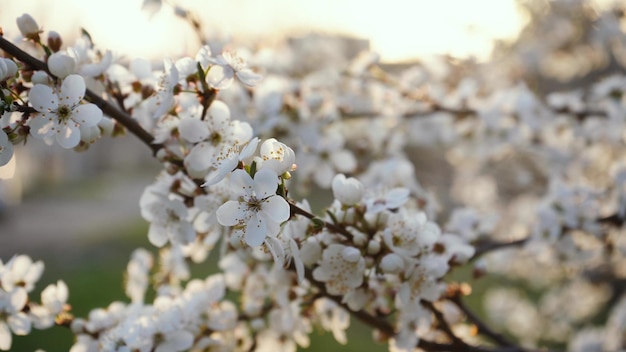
column 398, row 30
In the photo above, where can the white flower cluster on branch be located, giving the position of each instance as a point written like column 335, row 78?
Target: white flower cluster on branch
column 241, row 150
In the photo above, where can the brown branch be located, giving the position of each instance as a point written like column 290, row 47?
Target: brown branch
column 443, row 324
column 486, row 246
column 483, row 328
column 614, row 219
column 107, row 108
column 387, row 330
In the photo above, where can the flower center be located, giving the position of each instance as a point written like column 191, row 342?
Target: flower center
column 172, row 216
column 215, row 139
column 64, row 112
column 254, row 204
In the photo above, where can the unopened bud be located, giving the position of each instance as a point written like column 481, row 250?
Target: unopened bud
column 106, row 126
column 39, row 77
column 348, row 191
column 373, row 247
column 28, row 27
column 391, row 264
column 359, row 239
column 8, row 69
column 146, row 92
column 351, row 254
column 54, row 41
column 61, row 65
column 480, row 269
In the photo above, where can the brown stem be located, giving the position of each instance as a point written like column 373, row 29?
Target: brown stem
column 613, row 219
column 387, row 330
column 443, row 324
column 487, row 246
column 483, row 328
column 107, row 108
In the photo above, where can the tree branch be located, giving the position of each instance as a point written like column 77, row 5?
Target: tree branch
column 484, row 247
column 480, row 325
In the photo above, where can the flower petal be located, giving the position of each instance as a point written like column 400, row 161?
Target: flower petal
column 241, row 183
column 72, row 90
column 220, row 77
column 40, row 126
column 248, row 77
column 87, row 114
column 17, row 299
column 68, row 136
column 176, row 341
column 5, row 337
column 249, row 149
column 157, row 235
column 265, row 183
column 42, row 98
column 19, row 323
column 276, row 209
column 230, row 213
column 256, row 230
column 193, row 130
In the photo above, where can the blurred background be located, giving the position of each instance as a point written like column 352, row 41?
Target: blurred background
column 79, row 211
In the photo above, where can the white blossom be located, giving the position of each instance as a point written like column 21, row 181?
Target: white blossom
column 20, row 271
column 168, row 216
column 349, row 191
column 258, row 212
column 228, row 66
column 27, row 26
column 61, row 65
column 60, row 115
column 277, row 156
column 341, row 268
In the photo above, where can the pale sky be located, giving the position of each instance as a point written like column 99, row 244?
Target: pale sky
column 398, row 29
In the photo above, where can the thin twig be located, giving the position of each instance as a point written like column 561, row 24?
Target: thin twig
column 483, row 328
column 485, row 247
column 443, row 324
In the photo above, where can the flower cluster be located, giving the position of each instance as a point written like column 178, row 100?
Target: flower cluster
column 18, row 312
column 395, row 153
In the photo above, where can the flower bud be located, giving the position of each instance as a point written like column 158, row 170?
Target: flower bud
column 8, row 69
column 89, row 134
column 348, row 191
column 40, row 77
column 391, row 264
column 106, row 126
column 351, row 254
column 257, row 324
column 28, row 27
column 359, row 239
column 54, row 41
column 373, row 247
column 479, row 269
column 277, row 156
column 61, row 65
